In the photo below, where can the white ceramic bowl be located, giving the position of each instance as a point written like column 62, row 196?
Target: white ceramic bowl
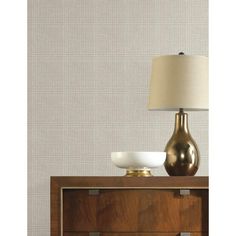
column 138, row 160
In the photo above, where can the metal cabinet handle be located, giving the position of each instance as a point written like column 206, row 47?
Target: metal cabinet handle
column 184, row 192
column 185, row 234
column 93, row 191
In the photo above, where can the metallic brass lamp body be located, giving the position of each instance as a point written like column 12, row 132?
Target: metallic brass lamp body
column 182, row 155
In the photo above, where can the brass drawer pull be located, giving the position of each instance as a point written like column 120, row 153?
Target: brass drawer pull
column 184, row 192
column 185, row 234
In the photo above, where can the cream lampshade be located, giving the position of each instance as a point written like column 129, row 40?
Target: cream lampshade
column 180, row 82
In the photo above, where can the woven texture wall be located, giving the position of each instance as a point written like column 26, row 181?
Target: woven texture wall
column 88, row 73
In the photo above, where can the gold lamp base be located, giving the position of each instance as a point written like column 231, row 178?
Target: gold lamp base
column 138, row 173
column 182, row 155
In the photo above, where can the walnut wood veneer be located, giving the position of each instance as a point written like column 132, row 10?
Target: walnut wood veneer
column 129, row 206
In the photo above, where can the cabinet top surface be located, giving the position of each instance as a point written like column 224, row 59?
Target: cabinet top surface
column 164, row 182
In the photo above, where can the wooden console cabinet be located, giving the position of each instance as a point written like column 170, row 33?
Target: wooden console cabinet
column 129, row 206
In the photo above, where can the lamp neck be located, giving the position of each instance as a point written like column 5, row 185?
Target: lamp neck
column 181, row 121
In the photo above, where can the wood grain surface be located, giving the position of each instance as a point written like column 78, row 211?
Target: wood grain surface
column 135, row 211
column 136, row 204
column 129, row 182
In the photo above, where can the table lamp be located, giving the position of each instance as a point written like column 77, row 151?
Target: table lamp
column 180, row 83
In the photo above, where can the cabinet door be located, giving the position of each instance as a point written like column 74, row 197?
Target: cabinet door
column 135, row 210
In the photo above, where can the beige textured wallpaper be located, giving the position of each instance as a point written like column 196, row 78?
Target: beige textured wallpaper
column 88, row 69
